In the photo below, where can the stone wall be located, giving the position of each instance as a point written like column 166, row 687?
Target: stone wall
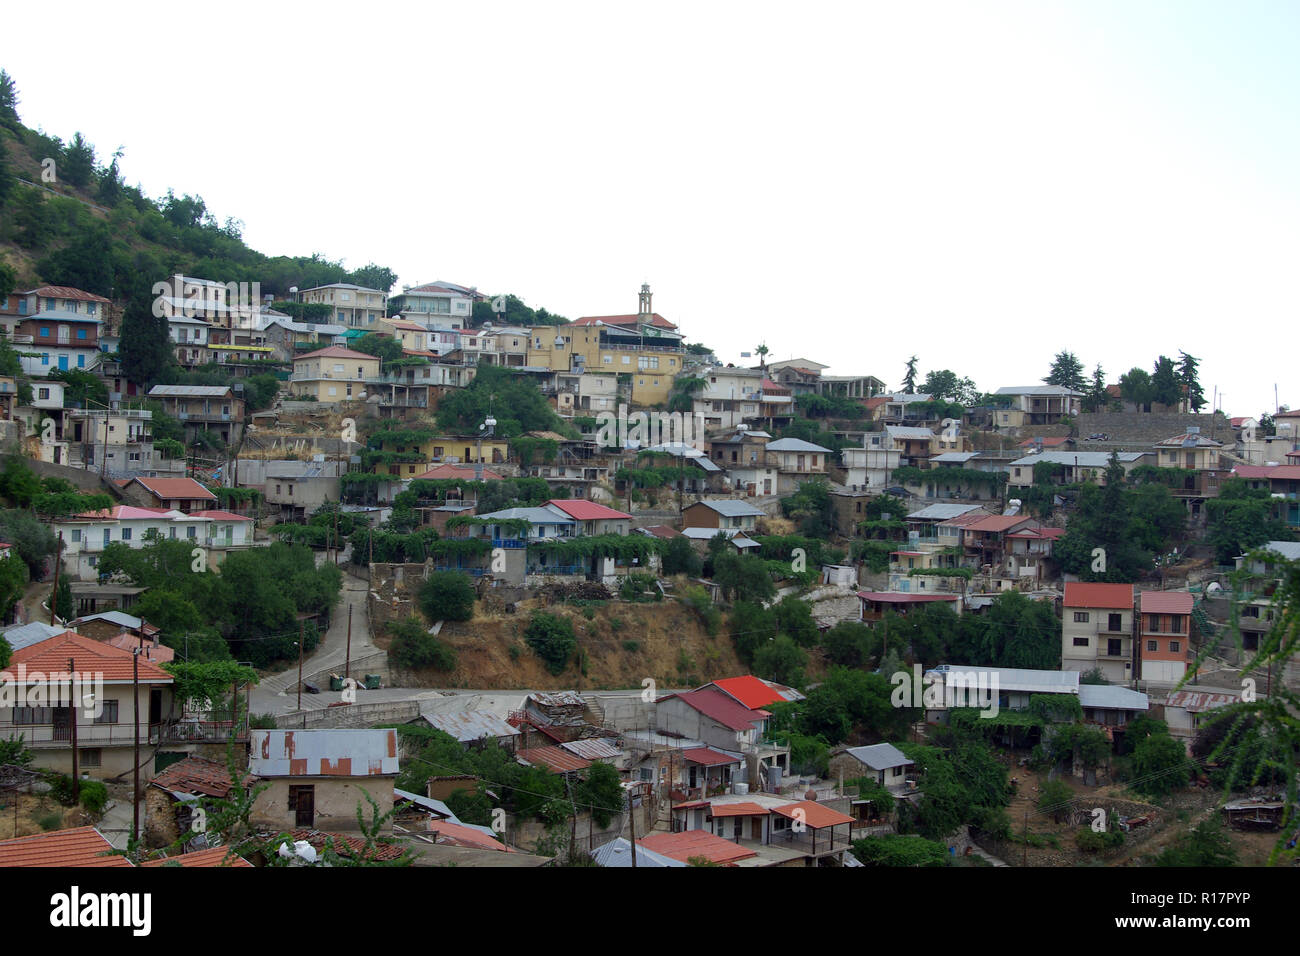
column 355, row 716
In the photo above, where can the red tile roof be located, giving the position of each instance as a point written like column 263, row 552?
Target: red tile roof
column 50, row 658
column 216, row 856
column 346, row 845
column 1046, row 442
column 336, row 351
column 814, row 814
column 580, row 509
column 661, row 531
column 158, row 653
column 122, row 513
column 220, row 515
column 997, row 522
column 896, row 597
column 205, row 778
column 744, row 809
column 1283, row 472
column 708, row 758
column 80, row 846
column 1079, row 594
column 749, row 690
column 64, row 292
column 657, row 320
column 1167, row 602
column 460, row 472
column 682, row 846
column 170, row 488
column 555, row 759
column 457, row 834
column 718, row 706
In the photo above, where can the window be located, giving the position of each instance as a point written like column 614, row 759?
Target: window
column 81, row 333
column 43, row 393
column 1176, row 624
column 90, row 308
column 1080, row 642
column 627, row 360
column 1080, row 617
column 108, row 713
column 1116, row 622
column 1152, row 645
column 76, row 535
column 1174, row 647
column 45, row 331
column 277, row 489
column 108, row 535
column 191, row 532
column 33, row 715
column 126, row 534
column 291, row 491
column 91, row 758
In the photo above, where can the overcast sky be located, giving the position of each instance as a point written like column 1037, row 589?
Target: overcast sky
column 981, row 184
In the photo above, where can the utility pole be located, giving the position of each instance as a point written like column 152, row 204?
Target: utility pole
column 58, row 561
column 103, row 465
column 73, row 704
column 631, row 819
column 300, row 640
column 347, row 659
column 135, row 773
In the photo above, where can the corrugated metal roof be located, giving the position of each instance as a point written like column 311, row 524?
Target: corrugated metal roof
column 1108, row 697
column 942, row 512
column 593, row 748
column 618, row 853
column 190, row 391
column 708, row 757
column 744, row 809
column 553, row 758
column 1197, row 701
column 731, row 507
column 908, row 431
column 1084, row 459
column 796, row 444
column 1023, row 680
column 24, row 635
column 880, row 756
column 427, row 803
column 323, row 753
column 717, row 706
column 469, row 725
column 682, row 846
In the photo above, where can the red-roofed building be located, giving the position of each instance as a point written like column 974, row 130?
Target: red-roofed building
column 79, row 847
column 1280, row 481
column 1165, row 639
column 593, row 518
column 457, row 473
column 43, row 689
column 176, row 494
column 697, row 843
column 719, row 721
column 459, row 834
column 1097, row 629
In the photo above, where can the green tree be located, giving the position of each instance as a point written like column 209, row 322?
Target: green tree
column 743, row 577
column 85, row 263
column 946, row 385
column 383, row 347
column 414, row 647
column 1067, row 372
column 7, row 185
column 896, row 850
column 849, row 644
column 1206, row 845
column 13, row 584
column 1166, row 387
column 909, row 377
column 447, row 596
column 1135, row 386
column 373, row 276
column 680, row 557
column 145, row 347
column 80, row 388
column 1096, row 398
column 1241, row 518
column 600, row 792
column 552, row 639
column 794, row 619
column 9, row 102
column 1160, row 765
column 781, row 660
column 78, row 164
column 1188, row 376
column 64, row 607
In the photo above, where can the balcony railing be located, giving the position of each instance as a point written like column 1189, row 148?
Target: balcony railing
column 89, row 733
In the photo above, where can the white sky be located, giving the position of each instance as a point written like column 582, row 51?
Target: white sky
column 981, row 184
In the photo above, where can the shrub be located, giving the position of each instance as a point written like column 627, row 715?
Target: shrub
column 552, row 639
column 640, row 587
column 1055, row 798
column 93, row 796
column 414, row 647
column 14, row 751
column 262, row 722
column 447, row 596
column 900, row 851
column 1093, row 841
column 50, row 821
column 631, row 646
column 697, row 599
column 60, row 787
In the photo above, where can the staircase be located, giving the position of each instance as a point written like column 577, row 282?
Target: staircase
column 1208, row 628
column 595, row 708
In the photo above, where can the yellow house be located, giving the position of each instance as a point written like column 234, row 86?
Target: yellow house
column 419, row 453
column 333, row 374
column 644, row 349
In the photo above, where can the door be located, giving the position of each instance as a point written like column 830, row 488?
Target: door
column 302, row 801
column 63, row 723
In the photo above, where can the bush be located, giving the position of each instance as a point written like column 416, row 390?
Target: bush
column 60, row 787
column 414, row 647
column 552, row 639
column 50, row 821
column 14, row 751
column 631, row 646
column 1093, row 841
column 900, row 851
column 1160, row 765
column 680, row 557
column 93, row 796
column 781, row 660
column 447, row 596
column 262, row 722
column 640, row 587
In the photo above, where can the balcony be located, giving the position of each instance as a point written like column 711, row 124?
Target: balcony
column 89, row 734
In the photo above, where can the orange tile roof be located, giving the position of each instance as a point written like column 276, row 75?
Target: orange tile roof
column 744, row 809
column 1167, row 602
column 464, row 472
column 1079, row 594
column 64, row 292
column 750, row 691
column 682, row 846
column 345, row 845
column 457, row 834
column 216, row 856
column 50, row 657
column 554, row 759
column 336, row 351
column 657, row 320
column 166, row 488
column 814, row 814
column 80, row 846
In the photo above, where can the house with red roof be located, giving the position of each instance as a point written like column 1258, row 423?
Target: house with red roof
column 592, row 518
column 1165, row 635
column 175, row 494
column 1097, row 629
column 43, row 687
column 772, row 829
column 717, row 720
column 1282, row 482
column 64, row 328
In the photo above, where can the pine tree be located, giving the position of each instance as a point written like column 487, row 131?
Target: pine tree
column 1067, row 371
column 909, row 380
column 78, row 164
column 1096, row 398
column 1167, row 387
column 1188, row 375
column 8, row 101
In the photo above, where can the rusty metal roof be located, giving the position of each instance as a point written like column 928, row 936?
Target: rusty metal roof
column 1195, row 701
column 593, row 748
column 323, row 753
column 554, row 759
column 470, row 725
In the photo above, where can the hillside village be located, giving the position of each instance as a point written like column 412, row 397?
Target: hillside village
column 359, row 576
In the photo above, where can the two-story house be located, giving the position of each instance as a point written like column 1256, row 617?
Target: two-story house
column 795, row 461
column 63, row 324
column 354, row 306
column 333, row 375
column 442, row 304
column 1165, row 635
column 1097, row 629
column 218, row 409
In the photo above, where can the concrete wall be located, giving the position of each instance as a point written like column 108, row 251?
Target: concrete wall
column 335, row 801
column 358, row 715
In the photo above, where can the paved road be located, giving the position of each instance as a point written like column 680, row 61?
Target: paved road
column 271, row 695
